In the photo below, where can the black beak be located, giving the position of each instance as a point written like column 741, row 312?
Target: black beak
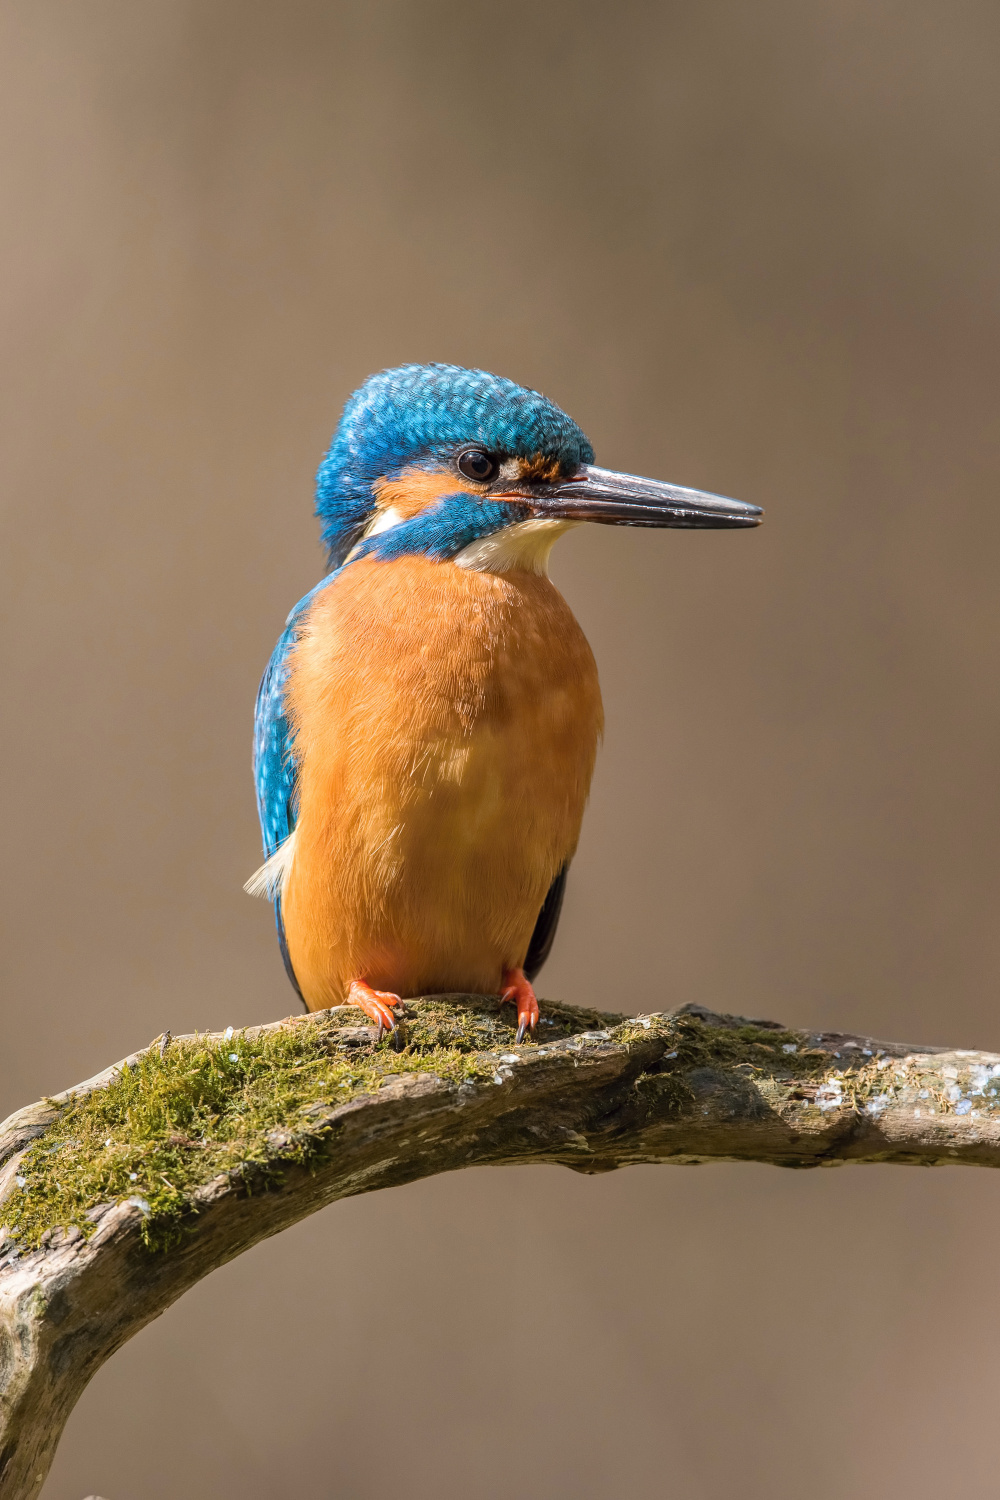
column 614, row 499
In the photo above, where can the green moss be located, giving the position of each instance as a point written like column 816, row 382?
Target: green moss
column 697, row 1043
column 172, row 1123
column 169, row 1124
column 784, row 1073
column 701, row 1045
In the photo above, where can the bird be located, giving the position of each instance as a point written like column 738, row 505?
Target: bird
column 426, row 729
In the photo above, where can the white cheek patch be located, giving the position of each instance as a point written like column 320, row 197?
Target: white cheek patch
column 384, row 520
column 525, row 545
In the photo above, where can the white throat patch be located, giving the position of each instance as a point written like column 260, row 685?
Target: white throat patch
column 525, row 545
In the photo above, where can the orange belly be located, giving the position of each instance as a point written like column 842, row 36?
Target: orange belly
column 446, row 723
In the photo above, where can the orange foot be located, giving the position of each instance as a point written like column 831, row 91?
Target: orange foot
column 378, row 1005
column 516, row 990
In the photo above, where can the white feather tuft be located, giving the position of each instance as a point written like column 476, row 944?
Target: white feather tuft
column 269, row 879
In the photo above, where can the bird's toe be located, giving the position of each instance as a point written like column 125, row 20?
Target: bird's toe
column 379, row 1006
column 517, row 990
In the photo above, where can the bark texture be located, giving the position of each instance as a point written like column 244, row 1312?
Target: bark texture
column 599, row 1092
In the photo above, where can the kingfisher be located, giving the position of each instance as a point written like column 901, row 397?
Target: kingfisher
column 426, row 728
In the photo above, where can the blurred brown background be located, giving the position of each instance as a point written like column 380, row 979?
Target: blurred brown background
column 750, row 247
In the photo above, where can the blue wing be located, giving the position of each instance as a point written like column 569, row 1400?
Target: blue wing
column 274, row 756
column 273, row 760
column 273, row 753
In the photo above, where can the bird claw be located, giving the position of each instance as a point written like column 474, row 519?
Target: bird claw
column 379, row 1006
column 517, row 991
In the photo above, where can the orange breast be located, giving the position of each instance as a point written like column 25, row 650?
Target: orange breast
column 446, row 723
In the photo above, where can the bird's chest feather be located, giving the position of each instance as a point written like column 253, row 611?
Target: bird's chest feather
column 437, row 709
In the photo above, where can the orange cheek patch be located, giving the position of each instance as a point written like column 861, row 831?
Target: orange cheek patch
column 415, row 490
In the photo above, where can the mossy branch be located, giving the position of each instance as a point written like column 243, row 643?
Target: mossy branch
column 119, row 1194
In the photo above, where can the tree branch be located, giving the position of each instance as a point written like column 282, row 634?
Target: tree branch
column 252, row 1132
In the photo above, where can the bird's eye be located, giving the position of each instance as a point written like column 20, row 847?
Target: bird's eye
column 477, row 465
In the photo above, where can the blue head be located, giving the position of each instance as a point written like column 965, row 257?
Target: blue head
column 417, row 420
column 435, row 459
